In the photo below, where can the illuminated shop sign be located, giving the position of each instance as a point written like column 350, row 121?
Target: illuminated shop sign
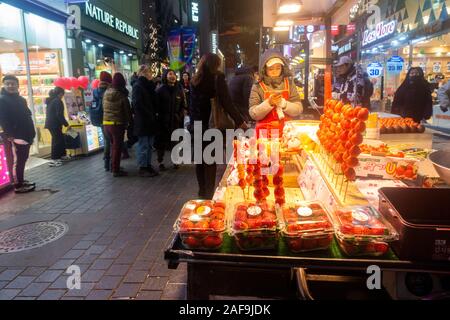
column 381, row 31
column 195, row 11
column 109, row 19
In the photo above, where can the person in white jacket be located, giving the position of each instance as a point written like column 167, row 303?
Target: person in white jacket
column 274, row 99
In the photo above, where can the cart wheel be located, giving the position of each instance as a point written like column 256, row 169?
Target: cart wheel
column 302, row 284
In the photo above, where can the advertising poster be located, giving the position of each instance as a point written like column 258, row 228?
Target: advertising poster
column 92, row 138
column 42, row 62
column 188, row 40
column 174, row 48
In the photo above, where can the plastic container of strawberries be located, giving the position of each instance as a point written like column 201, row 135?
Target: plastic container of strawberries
column 307, row 227
column 201, row 225
column 255, row 226
column 363, row 231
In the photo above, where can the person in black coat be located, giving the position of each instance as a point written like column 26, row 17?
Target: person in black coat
column 171, row 111
column 54, row 122
column 143, row 104
column 18, row 132
column 240, row 87
column 206, row 84
column 413, row 99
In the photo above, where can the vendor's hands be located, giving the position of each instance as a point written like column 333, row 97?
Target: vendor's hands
column 275, row 99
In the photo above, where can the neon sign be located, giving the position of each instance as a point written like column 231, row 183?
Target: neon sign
column 381, row 31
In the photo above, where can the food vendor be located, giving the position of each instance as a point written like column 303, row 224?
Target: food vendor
column 274, row 99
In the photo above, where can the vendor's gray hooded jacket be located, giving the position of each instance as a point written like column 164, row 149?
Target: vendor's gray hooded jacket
column 260, row 108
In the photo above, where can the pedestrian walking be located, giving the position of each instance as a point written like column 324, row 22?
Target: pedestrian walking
column 116, row 117
column 143, row 102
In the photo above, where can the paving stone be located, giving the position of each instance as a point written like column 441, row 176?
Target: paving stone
column 20, row 282
column 155, row 283
column 99, row 295
column 178, row 277
column 118, row 270
column 60, row 283
column 127, row 290
column 160, row 270
column 109, row 282
column 74, row 254
column 62, row 264
column 86, row 259
column 9, row 294
column 102, row 264
column 83, row 292
column 111, row 254
column 96, row 249
column 174, row 292
column 83, row 245
column 144, row 265
column 49, row 276
column 136, row 276
column 149, row 295
column 3, row 284
column 34, row 289
column 33, row 271
column 10, row 274
column 52, row 295
column 92, row 237
column 25, row 298
column 92, row 275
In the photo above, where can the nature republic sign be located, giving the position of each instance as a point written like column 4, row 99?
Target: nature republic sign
column 110, row 20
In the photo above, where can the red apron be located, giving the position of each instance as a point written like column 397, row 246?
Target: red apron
column 272, row 121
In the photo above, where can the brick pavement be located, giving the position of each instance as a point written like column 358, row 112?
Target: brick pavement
column 118, row 230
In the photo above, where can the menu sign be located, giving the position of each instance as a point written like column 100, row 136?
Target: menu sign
column 41, row 62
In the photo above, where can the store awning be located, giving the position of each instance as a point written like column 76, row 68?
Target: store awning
column 40, row 9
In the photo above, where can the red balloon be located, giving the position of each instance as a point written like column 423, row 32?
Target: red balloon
column 84, row 82
column 66, row 83
column 95, row 84
column 59, row 83
column 74, row 83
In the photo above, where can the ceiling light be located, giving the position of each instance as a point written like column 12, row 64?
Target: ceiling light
column 289, row 8
column 101, row 45
column 88, row 40
column 122, row 52
column 284, row 23
column 403, row 38
column 130, row 54
column 34, row 47
column 394, row 43
column 281, row 29
column 8, row 41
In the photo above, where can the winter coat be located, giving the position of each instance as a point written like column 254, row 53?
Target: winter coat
column 201, row 95
column 413, row 101
column 240, row 87
column 171, row 108
column 259, row 107
column 96, row 111
column 444, row 96
column 116, row 107
column 143, row 101
column 55, row 114
column 15, row 117
column 354, row 87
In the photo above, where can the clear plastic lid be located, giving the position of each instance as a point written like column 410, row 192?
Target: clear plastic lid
column 362, row 223
column 306, row 218
column 201, row 216
column 251, row 216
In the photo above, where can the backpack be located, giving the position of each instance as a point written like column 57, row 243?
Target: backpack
column 96, row 111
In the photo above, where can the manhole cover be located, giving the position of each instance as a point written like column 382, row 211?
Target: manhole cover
column 30, row 236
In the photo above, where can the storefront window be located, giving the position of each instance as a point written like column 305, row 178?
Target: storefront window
column 100, row 57
column 44, row 43
column 47, row 52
